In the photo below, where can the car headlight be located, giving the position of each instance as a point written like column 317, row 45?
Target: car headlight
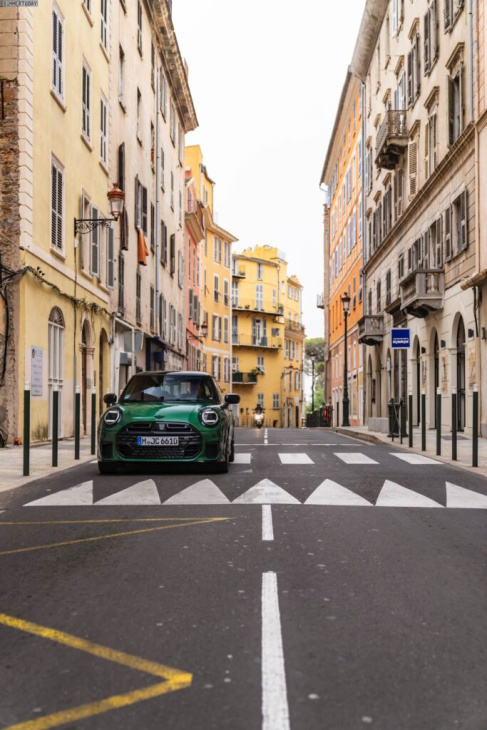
column 112, row 416
column 209, row 417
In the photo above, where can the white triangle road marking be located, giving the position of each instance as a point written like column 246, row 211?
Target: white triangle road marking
column 295, row 459
column 329, row 492
column 393, row 495
column 138, row 494
column 459, row 497
column 266, row 492
column 81, row 494
column 203, row 492
column 355, row 458
column 415, row 458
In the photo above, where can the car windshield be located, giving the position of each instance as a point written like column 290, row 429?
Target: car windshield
column 164, row 387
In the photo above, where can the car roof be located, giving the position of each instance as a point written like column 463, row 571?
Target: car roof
column 173, row 372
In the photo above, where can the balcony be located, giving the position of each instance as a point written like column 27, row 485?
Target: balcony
column 392, row 139
column 422, row 292
column 244, row 378
column 320, row 301
column 273, row 343
column 238, row 273
column 294, row 327
column 264, row 306
column 371, row 329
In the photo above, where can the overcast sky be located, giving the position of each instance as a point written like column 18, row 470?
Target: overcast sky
column 266, row 78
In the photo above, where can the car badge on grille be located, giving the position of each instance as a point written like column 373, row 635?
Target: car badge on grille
column 161, row 426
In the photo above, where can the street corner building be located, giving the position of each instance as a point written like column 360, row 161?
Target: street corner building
column 95, row 106
column 418, row 75
column 267, row 338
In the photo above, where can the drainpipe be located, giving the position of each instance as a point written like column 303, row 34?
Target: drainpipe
column 364, row 250
column 470, row 59
column 158, row 203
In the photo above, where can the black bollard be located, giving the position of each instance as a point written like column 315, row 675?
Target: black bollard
column 423, row 421
column 26, row 470
column 454, row 424
column 475, row 427
column 93, row 420
column 77, row 414
column 55, row 424
column 438, row 422
column 410, row 414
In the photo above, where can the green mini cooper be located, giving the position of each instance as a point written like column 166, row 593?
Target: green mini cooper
column 167, row 417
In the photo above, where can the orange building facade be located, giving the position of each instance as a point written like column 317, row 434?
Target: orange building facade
column 343, row 251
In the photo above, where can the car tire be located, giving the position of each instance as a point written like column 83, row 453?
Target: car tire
column 232, row 452
column 104, row 468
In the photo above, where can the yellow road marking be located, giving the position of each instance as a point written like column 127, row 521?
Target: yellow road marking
column 89, row 522
column 112, row 536
column 175, row 679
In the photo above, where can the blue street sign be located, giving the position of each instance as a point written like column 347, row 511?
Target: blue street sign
column 400, row 339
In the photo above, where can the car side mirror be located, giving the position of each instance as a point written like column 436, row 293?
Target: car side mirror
column 110, row 399
column 231, row 399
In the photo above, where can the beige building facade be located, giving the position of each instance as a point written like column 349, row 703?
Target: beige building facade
column 416, row 63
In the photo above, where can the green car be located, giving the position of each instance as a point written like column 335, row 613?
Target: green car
column 167, row 417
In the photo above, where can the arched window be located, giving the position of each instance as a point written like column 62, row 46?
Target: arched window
column 55, row 376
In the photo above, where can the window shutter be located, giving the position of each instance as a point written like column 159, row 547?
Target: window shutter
column 417, row 65
column 410, row 258
column 439, row 245
column 172, row 254
column 124, row 232
column 451, row 111
column 426, row 149
column 95, row 246
column 426, row 250
column 144, row 210
column 110, row 258
column 152, row 228
column 121, row 284
column 413, row 168
column 400, row 11
column 410, row 78
column 448, row 10
column 53, row 206
column 435, row 30
column 448, row 217
column 137, row 203
column 463, row 221
column 121, row 166
column 462, row 100
column 427, row 41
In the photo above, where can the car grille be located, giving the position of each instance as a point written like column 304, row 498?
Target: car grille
column 189, row 441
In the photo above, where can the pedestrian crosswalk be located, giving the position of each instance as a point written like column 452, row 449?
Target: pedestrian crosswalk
column 206, row 492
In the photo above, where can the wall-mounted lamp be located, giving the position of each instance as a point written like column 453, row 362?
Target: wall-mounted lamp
column 470, row 333
column 423, row 350
column 116, row 199
column 442, row 343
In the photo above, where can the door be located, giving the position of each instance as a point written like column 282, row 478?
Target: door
column 55, row 376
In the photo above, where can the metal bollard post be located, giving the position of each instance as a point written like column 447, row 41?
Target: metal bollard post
column 26, row 469
column 410, row 414
column 454, row 424
column 438, row 421
column 423, row 421
column 475, row 427
column 402, row 427
column 93, row 420
column 55, row 424
column 77, row 415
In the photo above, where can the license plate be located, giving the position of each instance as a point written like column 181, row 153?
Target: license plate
column 157, row 440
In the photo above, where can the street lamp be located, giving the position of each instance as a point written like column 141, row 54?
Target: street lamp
column 312, row 357
column 346, row 310
column 116, row 198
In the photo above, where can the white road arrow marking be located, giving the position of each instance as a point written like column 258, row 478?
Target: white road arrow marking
column 81, row 494
column 415, row 458
column 203, row 492
column 393, row 495
column 330, row 492
column 459, row 497
column 266, row 492
column 295, row 459
column 139, row 494
column 355, row 458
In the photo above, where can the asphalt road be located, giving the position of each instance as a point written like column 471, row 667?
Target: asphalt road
column 137, row 601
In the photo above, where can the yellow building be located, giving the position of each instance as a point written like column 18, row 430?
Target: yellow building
column 216, row 257
column 267, row 338
column 58, row 308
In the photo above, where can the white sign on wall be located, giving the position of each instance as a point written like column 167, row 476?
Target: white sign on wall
column 36, row 370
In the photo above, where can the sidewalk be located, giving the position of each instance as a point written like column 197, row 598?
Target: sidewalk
column 12, row 461
column 464, row 446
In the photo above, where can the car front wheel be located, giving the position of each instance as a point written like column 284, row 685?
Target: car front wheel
column 104, row 468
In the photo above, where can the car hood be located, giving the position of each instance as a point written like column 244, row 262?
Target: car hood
column 180, row 411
